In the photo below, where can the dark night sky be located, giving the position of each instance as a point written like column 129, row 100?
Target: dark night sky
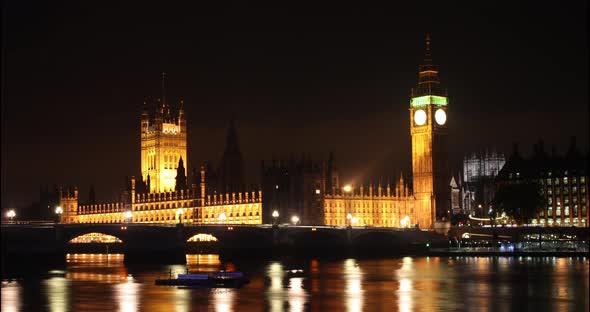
column 300, row 78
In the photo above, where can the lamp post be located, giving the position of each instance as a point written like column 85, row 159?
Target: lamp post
column 275, row 215
column 295, row 220
column 222, row 217
column 11, row 214
column 179, row 213
column 128, row 216
column 347, row 189
column 349, row 219
column 58, row 212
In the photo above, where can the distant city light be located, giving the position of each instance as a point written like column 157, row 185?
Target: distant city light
column 275, row 214
column 222, row 217
column 128, row 215
column 11, row 214
column 295, row 220
column 58, row 210
column 347, row 188
column 317, row 191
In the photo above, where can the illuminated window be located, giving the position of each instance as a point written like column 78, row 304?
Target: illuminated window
column 564, row 180
column 582, row 179
column 556, row 181
column 566, row 211
column 575, row 211
column 574, row 180
column 548, row 181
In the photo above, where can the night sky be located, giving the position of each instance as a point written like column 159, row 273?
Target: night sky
column 300, row 79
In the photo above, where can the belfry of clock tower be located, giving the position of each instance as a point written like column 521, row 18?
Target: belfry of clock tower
column 428, row 126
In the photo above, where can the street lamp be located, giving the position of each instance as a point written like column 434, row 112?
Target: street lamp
column 295, row 220
column 222, row 217
column 275, row 215
column 128, row 215
column 354, row 220
column 11, row 214
column 179, row 213
column 347, row 188
column 405, row 221
column 349, row 219
column 58, row 212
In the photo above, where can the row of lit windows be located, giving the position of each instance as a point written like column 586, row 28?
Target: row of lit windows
column 566, row 211
column 165, row 206
column 566, row 222
column 231, row 215
column 566, row 200
column 556, row 181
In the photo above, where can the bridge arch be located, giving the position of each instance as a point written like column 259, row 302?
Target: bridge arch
column 94, row 237
column 202, row 237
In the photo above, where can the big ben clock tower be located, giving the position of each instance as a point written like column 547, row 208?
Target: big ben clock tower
column 428, row 126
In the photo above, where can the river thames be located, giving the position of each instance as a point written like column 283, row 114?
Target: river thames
column 95, row 282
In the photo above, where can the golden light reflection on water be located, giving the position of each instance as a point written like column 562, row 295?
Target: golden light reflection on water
column 354, row 291
column 203, row 263
column 405, row 291
column 297, row 295
column 127, row 296
column 182, row 300
column 275, row 292
column 57, row 294
column 101, row 283
column 11, row 297
column 223, row 299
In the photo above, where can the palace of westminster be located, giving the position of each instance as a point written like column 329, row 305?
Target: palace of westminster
column 310, row 191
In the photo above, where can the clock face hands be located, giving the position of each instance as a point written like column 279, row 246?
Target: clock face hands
column 440, row 116
column 420, row 117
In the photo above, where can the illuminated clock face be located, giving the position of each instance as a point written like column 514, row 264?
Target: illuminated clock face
column 420, row 117
column 440, row 116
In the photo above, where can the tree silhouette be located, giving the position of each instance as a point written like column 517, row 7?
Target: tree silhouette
column 522, row 201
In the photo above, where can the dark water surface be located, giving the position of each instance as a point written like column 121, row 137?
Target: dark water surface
column 95, row 283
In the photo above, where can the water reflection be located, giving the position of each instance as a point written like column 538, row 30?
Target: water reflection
column 354, row 292
column 101, row 283
column 57, row 294
column 296, row 294
column 11, row 297
column 405, row 292
column 127, row 296
column 223, row 299
column 275, row 292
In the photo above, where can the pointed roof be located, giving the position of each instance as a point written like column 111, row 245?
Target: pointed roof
column 231, row 142
column 428, row 81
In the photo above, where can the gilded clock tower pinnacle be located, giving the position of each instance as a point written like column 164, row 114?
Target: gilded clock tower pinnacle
column 428, row 126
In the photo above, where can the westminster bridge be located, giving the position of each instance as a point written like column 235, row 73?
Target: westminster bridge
column 169, row 242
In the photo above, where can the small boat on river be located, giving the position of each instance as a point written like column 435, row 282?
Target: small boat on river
column 219, row 279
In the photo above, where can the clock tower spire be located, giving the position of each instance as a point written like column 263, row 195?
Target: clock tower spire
column 428, row 127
